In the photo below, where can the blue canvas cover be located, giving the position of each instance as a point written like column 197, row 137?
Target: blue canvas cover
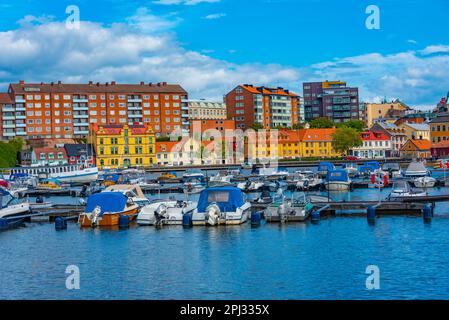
column 228, row 199
column 367, row 167
column 108, row 201
column 337, row 175
column 373, row 164
column 325, row 166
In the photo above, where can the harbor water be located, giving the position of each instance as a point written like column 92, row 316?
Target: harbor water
column 327, row 260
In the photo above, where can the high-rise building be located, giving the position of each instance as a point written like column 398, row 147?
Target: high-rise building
column 204, row 110
column 331, row 99
column 269, row 107
column 57, row 110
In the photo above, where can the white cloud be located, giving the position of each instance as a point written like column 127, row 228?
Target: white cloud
column 215, row 16
column 140, row 51
column 31, row 20
column 147, row 22
column 411, row 41
column 184, row 2
column 435, row 49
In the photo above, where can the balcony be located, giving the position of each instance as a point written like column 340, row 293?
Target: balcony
column 135, row 115
column 20, row 116
column 8, row 134
column 20, row 107
column 80, row 108
column 8, row 108
column 20, row 100
column 9, row 126
column 81, row 124
column 134, row 108
column 80, row 100
column 81, row 132
column 134, row 100
column 21, row 125
column 9, row 117
column 80, row 116
column 21, row 133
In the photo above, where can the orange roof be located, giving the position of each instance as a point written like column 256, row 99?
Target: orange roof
column 269, row 91
column 289, row 136
column 168, row 146
column 116, row 129
column 422, row 144
column 317, row 134
column 441, row 144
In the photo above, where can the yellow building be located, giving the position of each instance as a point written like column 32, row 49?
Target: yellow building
column 418, row 131
column 123, row 146
column 376, row 111
column 317, row 143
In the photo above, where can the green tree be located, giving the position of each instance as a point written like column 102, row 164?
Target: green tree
column 346, row 138
column 297, row 126
column 8, row 152
column 257, row 126
column 321, row 123
column 357, row 125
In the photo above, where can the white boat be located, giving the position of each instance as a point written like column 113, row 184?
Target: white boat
column 351, row 168
column 296, row 209
column 416, row 169
column 338, row 180
column 272, row 173
column 194, row 183
column 165, row 212
column 324, row 168
column 133, row 192
column 11, row 207
column 221, row 206
column 221, row 179
column 251, row 185
column 402, row 189
column 425, row 182
column 65, row 174
column 192, row 173
column 309, row 180
column 393, row 169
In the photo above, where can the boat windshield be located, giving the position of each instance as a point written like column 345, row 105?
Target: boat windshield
column 400, row 186
column 390, row 166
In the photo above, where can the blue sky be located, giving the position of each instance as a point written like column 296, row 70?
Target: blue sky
column 209, row 46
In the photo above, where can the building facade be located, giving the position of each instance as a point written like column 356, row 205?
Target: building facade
column 124, row 146
column 376, row 111
column 80, row 154
column 397, row 136
column 416, row 149
column 331, row 99
column 439, row 128
column 376, row 145
column 205, row 110
column 57, row 110
column 416, row 131
column 48, row 156
column 269, row 107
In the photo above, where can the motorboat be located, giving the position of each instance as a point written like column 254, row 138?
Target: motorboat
column 262, row 202
column 221, row 179
column 246, row 165
column 11, row 208
column 338, row 180
column 416, row 169
column 221, row 206
column 324, row 168
column 251, row 185
column 194, row 184
column 49, row 184
column 393, row 169
column 351, row 168
column 309, row 181
column 441, row 164
column 425, row 182
column 192, row 173
column 104, row 209
column 295, row 209
column 272, row 173
column 367, row 170
column 165, row 212
column 402, row 189
column 168, row 176
column 134, row 192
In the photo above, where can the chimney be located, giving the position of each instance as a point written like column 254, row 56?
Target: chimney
column 112, row 83
column 107, row 84
column 164, row 83
column 59, row 82
column 90, row 83
column 150, row 84
column 98, row 84
column 22, row 82
column 52, row 83
column 158, row 84
column 142, row 83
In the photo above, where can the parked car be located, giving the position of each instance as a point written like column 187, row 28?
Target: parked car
column 352, row 158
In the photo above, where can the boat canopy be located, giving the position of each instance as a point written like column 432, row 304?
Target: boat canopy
column 337, row 175
column 326, row 166
column 126, row 189
column 374, row 164
column 391, row 166
column 416, row 168
column 367, row 168
column 228, row 199
column 108, row 202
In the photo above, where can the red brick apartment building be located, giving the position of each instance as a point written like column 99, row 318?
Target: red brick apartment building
column 58, row 110
column 215, row 124
column 271, row 107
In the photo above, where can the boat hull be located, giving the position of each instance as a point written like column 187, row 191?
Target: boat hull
column 199, row 219
column 83, row 176
column 108, row 219
column 338, row 186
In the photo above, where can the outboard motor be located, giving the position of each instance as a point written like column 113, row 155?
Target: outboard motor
column 160, row 214
column 213, row 214
column 39, row 199
column 95, row 216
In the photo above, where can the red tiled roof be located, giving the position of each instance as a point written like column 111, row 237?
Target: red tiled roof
column 5, row 98
column 421, row 144
column 269, row 91
column 374, row 136
column 47, row 150
column 289, row 136
column 115, row 129
column 19, row 88
column 316, row 134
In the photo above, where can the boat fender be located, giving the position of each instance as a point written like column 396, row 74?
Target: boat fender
column 186, row 220
column 60, row 223
column 371, row 213
column 428, row 213
column 316, row 216
column 255, row 218
column 123, row 221
column 3, row 224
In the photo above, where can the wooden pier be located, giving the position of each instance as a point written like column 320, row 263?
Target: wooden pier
column 382, row 208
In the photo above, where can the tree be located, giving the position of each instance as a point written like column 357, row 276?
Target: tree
column 321, row 123
column 8, row 152
column 297, row 126
column 346, row 138
column 257, row 126
column 357, row 125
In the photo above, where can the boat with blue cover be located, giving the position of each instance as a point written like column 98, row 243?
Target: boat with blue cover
column 324, row 168
column 221, row 206
column 338, row 180
column 105, row 208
